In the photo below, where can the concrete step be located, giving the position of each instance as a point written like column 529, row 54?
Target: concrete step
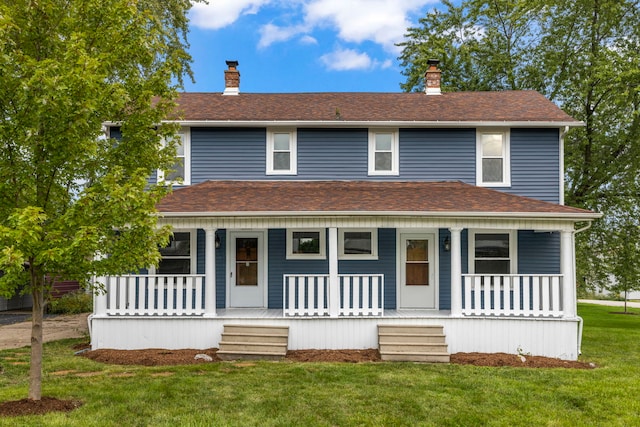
column 251, row 342
column 414, row 338
column 416, row 357
column 257, row 329
column 253, row 347
column 411, row 329
column 413, row 348
column 270, row 338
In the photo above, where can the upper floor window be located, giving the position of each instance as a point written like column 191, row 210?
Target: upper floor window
column 177, row 256
column 492, row 252
column 493, row 158
column 306, row 244
column 358, row 244
column 180, row 172
column 282, row 152
column 383, row 152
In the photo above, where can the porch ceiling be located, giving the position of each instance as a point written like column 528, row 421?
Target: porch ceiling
column 366, row 198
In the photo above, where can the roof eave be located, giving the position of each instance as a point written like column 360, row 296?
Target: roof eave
column 374, row 123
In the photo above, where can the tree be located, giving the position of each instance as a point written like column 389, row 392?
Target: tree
column 582, row 54
column 73, row 203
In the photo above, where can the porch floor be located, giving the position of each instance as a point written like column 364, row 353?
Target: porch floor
column 264, row 313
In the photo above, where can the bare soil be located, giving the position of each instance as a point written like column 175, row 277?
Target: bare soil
column 22, row 407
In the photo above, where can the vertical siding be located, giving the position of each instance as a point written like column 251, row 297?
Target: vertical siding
column 385, row 264
column 438, row 154
column 279, row 265
column 535, row 164
column 538, row 253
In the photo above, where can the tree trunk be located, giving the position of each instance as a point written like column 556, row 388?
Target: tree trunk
column 37, row 314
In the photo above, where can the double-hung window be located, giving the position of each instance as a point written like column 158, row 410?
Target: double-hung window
column 358, row 244
column 282, row 155
column 306, row 244
column 180, row 172
column 383, row 152
column 493, row 163
column 177, row 256
column 492, row 252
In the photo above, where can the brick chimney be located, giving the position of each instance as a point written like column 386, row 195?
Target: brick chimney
column 231, row 79
column 432, row 78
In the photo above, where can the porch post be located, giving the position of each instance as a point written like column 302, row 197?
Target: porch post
column 210, row 272
column 567, row 267
column 100, row 296
column 456, row 272
column 334, row 288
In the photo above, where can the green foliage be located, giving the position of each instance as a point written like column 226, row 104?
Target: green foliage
column 583, row 56
column 314, row 394
column 72, row 303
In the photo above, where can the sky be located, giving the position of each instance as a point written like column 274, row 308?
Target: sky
column 302, row 45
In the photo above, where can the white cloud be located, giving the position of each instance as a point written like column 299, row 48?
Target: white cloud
column 270, row 34
column 307, row 39
column 381, row 21
column 220, row 13
column 347, row 59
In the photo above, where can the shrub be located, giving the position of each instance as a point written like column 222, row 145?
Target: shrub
column 72, row 303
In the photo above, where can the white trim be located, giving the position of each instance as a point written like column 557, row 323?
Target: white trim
column 322, row 233
column 374, row 244
column 506, row 157
column 513, row 248
column 185, row 135
column 193, row 247
column 293, row 151
column 374, row 123
column 395, row 152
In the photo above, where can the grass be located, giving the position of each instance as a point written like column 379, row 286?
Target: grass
column 325, row 394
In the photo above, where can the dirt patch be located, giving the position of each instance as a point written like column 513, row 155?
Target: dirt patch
column 22, row 407
column 55, row 327
column 158, row 357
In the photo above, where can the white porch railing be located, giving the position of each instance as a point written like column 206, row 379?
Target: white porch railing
column 527, row 295
column 163, row 295
column 309, row 295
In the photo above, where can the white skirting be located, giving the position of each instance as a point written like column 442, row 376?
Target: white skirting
column 552, row 337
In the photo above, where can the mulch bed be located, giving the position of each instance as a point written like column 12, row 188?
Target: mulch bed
column 160, row 357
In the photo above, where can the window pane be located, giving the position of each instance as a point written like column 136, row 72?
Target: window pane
column 357, row 242
column 417, row 250
column 281, row 141
column 179, row 245
column 383, row 161
column 493, row 266
column 281, row 161
column 492, row 170
column 306, row 242
column 180, row 145
column 492, row 245
column 246, row 249
column 383, row 141
column 492, row 144
column 247, row 274
column 417, row 274
column 177, row 173
column 174, row 266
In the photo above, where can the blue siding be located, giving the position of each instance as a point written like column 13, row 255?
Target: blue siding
column 227, row 154
column 221, row 270
column 332, row 153
column 445, row 265
column 200, row 252
column 279, row 265
column 535, row 164
column 385, row 264
column 538, row 253
column 438, row 154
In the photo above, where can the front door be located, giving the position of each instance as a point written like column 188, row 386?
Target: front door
column 246, row 272
column 417, row 275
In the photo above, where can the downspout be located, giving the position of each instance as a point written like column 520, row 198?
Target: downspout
column 580, row 321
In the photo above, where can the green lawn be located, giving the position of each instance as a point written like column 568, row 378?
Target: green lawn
column 324, row 394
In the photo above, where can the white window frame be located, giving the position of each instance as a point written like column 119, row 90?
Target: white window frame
column 374, row 244
column 506, row 157
column 395, row 152
column 193, row 247
column 185, row 136
column 513, row 248
column 322, row 249
column 293, row 151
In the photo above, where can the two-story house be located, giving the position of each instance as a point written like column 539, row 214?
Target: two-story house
column 354, row 219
